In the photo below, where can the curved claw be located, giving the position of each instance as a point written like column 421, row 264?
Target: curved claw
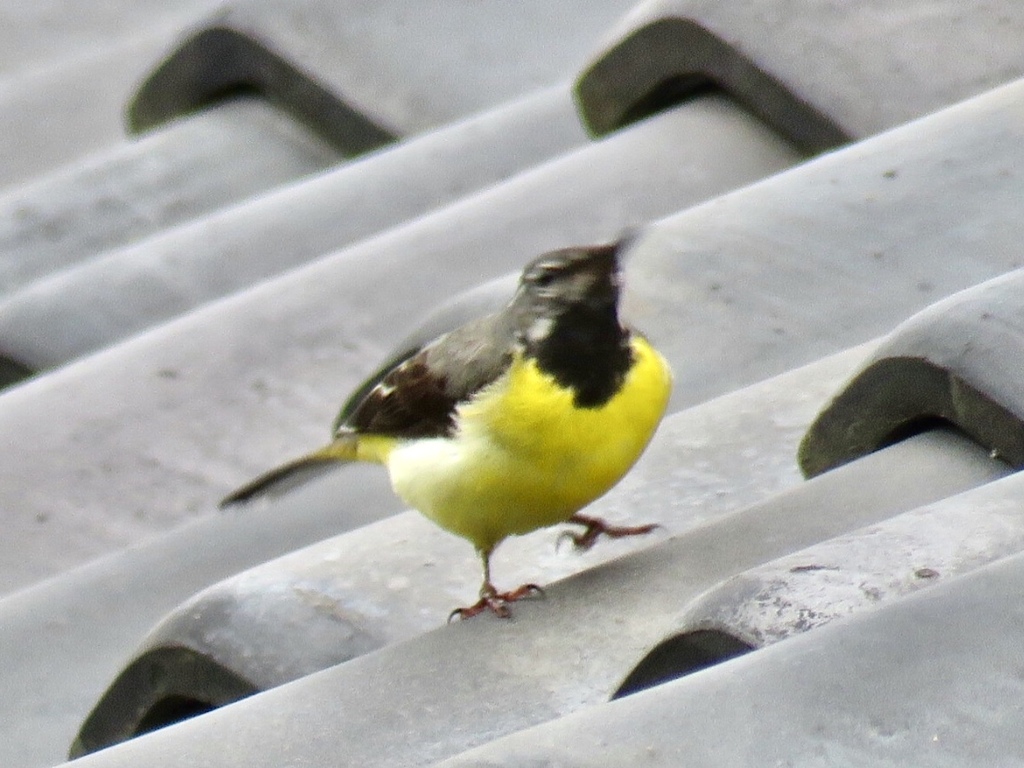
column 595, row 527
column 495, row 602
column 567, row 536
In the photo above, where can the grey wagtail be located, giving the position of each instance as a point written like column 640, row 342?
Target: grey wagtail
column 514, row 421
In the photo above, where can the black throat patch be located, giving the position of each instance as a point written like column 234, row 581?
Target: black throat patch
column 588, row 352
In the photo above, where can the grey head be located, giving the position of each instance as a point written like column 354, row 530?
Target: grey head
column 571, row 285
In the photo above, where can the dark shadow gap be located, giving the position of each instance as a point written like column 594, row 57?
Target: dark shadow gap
column 680, row 656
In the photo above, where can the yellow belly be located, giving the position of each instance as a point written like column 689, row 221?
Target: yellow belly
column 525, row 457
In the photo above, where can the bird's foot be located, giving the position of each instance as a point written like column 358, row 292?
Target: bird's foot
column 595, row 527
column 496, row 602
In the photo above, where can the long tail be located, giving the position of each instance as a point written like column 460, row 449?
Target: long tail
column 296, row 473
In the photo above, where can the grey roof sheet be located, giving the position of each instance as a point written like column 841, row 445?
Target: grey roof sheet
column 905, row 685
column 837, row 250
column 67, row 71
column 338, row 63
column 322, row 329
column 150, row 415
column 583, row 638
column 90, row 618
column 37, row 35
column 177, row 268
column 816, row 70
column 131, row 191
column 957, row 361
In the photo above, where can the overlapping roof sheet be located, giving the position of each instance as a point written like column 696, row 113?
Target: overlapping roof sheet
column 216, row 220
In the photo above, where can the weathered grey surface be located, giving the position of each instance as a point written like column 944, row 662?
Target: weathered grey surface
column 191, row 167
column 383, row 68
column 859, row 720
column 868, row 567
column 692, row 461
column 838, row 250
column 68, row 69
column 32, row 36
column 391, row 582
column 762, row 265
column 667, row 60
column 818, row 69
column 932, row 680
column 558, row 655
column 178, row 268
column 71, row 634
column 178, row 416
column 958, row 361
column 93, row 86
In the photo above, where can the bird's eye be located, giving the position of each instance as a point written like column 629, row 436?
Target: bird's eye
column 544, row 277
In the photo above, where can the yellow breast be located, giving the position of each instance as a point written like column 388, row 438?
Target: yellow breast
column 525, row 457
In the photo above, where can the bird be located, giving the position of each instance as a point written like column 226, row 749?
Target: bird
column 512, row 422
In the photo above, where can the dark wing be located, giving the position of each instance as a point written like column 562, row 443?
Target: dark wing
column 356, row 398
column 410, row 401
column 417, row 396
